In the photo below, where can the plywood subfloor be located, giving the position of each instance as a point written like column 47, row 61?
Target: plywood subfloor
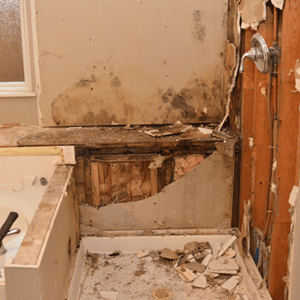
column 136, row 278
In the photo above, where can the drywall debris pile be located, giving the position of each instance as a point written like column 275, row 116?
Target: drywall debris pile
column 197, row 271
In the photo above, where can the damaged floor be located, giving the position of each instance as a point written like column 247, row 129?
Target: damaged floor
column 164, row 274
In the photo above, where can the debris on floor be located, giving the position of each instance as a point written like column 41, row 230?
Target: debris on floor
column 176, row 128
column 142, row 254
column 197, row 271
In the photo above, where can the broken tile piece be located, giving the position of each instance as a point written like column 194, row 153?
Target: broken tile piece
column 205, row 130
column 221, row 271
column 216, row 248
column 109, row 295
column 148, row 259
column 223, row 264
column 168, row 254
column 211, row 275
column 200, row 256
column 141, row 254
column 195, row 266
column 200, row 282
column 186, row 274
column 229, row 253
column 207, row 259
column 231, row 283
column 190, row 246
column 227, row 244
column 190, row 257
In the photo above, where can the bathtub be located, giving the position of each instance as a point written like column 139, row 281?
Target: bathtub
column 36, row 182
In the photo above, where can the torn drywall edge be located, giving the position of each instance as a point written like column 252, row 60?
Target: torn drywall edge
column 36, row 61
column 252, row 13
column 157, row 163
column 293, row 196
column 233, row 78
column 297, row 75
column 244, row 239
column 278, row 3
column 292, row 278
column 202, row 198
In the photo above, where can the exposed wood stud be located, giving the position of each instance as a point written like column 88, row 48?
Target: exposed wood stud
column 153, row 181
column 79, row 170
column 88, row 181
column 95, row 184
column 80, row 191
column 104, row 183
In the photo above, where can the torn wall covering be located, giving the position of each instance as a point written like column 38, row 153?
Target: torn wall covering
column 202, row 198
column 253, row 12
column 131, row 62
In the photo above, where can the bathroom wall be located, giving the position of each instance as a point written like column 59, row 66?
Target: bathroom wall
column 137, row 61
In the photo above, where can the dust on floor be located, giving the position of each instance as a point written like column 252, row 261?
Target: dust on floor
column 130, row 277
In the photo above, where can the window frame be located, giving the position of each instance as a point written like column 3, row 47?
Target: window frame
column 22, row 88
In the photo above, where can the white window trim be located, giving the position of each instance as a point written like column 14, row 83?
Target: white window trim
column 22, row 88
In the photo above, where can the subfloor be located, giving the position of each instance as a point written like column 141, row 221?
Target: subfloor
column 137, row 278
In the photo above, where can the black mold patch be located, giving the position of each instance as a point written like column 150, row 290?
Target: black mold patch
column 191, row 100
column 187, row 111
column 115, row 82
column 199, row 29
column 86, row 82
column 197, row 16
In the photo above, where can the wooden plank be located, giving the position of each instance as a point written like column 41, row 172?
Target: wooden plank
column 79, row 170
column 123, row 158
column 287, row 146
column 95, row 183
column 262, row 141
column 104, row 183
column 136, row 182
column 116, row 137
column 120, row 182
column 161, row 182
column 169, row 170
column 246, row 126
column 88, row 181
column 36, row 233
column 146, row 180
column 153, row 181
column 80, row 192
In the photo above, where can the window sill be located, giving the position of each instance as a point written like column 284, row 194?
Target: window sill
column 17, row 94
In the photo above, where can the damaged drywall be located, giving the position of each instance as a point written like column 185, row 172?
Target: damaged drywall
column 278, row 3
column 252, row 13
column 156, row 62
column 202, row 198
column 292, row 279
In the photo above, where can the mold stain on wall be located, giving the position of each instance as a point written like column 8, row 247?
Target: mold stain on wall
column 142, row 66
column 104, row 100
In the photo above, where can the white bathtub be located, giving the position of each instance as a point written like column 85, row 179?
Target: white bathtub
column 17, row 165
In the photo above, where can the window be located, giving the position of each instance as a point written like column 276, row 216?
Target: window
column 15, row 65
